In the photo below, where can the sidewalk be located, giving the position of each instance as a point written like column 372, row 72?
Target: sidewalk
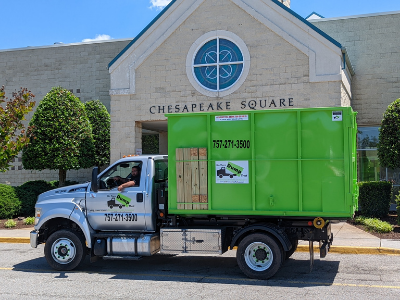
column 347, row 239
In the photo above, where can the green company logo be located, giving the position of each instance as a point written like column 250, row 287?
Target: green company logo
column 123, row 200
column 235, row 169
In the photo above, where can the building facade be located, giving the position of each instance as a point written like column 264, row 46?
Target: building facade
column 227, row 55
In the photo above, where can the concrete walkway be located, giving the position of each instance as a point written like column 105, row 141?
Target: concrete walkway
column 347, row 239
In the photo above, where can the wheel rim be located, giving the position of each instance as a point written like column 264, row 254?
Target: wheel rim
column 63, row 251
column 258, row 256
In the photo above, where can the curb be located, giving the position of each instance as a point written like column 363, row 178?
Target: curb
column 353, row 250
column 15, row 240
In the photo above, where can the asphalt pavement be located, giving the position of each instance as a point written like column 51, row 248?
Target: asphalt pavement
column 347, row 239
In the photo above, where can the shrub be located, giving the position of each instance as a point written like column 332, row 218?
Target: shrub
column 9, row 202
column 99, row 118
column 389, row 137
column 62, row 135
column 374, row 198
column 29, row 221
column 28, row 193
column 10, row 223
column 398, row 208
column 374, row 224
column 30, row 190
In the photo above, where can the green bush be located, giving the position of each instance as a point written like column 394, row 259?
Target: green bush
column 10, row 205
column 398, row 208
column 28, row 193
column 29, row 221
column 30, row 190
column 10, row 223
column 374, row 224
column 374, row 198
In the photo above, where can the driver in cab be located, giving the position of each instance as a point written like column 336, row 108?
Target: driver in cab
column 133, row 179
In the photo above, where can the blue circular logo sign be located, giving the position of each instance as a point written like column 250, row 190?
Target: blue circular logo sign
column 218, row 64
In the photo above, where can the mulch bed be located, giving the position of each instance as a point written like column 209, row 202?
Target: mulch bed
column 391, row 219
column 19, row 221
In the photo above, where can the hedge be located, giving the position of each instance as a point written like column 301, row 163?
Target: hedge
column 374, row 198
column 28, row 193
column 21, row 200
column 10, row 205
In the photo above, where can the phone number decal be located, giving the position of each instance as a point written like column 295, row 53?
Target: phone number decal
column 120, row 217
column 231, row 144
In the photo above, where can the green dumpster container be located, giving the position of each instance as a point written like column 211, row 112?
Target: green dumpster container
column 285, row 162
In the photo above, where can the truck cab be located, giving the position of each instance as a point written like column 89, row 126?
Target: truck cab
column 98, row 216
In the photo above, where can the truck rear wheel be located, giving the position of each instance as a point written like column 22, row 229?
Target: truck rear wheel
column 65, row 250
column 259, row 256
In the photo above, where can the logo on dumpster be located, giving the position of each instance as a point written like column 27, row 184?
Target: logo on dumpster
column 232, row 171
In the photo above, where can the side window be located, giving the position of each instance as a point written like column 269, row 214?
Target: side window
column 161, row 170
column 121, row 173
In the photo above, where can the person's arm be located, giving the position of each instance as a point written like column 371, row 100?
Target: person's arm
column 126, row 184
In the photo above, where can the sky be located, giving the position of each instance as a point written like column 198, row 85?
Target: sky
column 28, row 23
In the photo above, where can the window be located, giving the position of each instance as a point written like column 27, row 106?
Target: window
column 118, row 174
column 217, row 64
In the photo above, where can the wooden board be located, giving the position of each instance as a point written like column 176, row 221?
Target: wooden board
column 203, row 178
column 194, row 157
column 180, row 193
column 187, row 178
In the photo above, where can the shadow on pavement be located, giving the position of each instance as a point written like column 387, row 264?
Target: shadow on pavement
column 204, row 269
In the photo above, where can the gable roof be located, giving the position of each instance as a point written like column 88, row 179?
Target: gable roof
column 316, row 29
column 314, row 14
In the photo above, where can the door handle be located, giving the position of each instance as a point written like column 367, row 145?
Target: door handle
column 139, row 197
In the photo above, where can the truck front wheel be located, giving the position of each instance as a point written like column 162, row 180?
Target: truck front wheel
column 259, row 256
column 65, row 250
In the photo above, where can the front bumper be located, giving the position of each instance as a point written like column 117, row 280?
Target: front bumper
column 34, row 238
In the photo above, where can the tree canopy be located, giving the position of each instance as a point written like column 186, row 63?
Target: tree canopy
column 62, row 135
column 100, row 120
column 389, row 137
column 13, row 134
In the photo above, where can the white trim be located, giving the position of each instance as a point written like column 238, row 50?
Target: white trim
column 199, row 43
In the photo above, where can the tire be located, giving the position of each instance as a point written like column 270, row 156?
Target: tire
column 65, row 250
column 220, row 176
column 259, row 256
column 295, row 243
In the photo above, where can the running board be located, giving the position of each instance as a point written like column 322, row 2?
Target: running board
column 109, row 257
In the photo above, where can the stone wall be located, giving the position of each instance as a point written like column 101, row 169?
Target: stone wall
column 81, row 68
column 373, row 45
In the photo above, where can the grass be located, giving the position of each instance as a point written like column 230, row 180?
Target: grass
column 10, row 223
column 374, row 224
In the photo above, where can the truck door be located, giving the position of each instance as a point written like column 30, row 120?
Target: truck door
column 110, row 209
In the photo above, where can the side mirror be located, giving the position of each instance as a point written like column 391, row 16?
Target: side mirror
column 95, row 183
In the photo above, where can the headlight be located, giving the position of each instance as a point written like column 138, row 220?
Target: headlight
column 38, row 213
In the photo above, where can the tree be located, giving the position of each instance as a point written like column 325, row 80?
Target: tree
column 99, row 118
column 13, row 134
column 389, row 137
column 62, row 135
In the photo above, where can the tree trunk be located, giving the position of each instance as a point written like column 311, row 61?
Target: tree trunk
column 62, row 176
